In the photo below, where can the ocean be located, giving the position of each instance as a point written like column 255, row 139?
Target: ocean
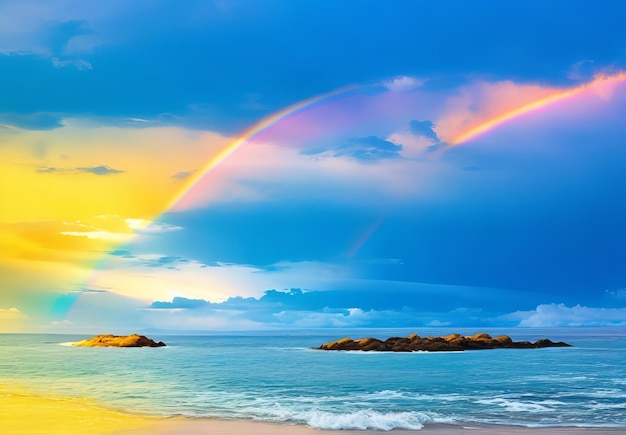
column 277, row 377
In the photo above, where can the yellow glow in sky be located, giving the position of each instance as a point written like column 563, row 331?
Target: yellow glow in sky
column 70, row 194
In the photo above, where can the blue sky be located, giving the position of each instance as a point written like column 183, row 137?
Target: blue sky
column 360, row 210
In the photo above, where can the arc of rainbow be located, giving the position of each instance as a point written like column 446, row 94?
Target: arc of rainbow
column 65, row 302
column 562, row 95
column 358, row 245
column 257, row 128
column 467, row 136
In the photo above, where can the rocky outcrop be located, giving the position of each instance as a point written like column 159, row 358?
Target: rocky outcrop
column 453, row 342
column 109, row 340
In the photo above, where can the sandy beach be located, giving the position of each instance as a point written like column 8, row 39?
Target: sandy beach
column 24, row 412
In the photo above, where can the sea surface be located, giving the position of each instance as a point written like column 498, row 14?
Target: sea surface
column 278, row 377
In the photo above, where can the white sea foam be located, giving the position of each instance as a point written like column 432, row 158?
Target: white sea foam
column 552, row 402
column 442, row 397
column 602, row 406
column 327, row 412
column 515, row 405
column 362, row 419
column 367, row 419
column 68, row 343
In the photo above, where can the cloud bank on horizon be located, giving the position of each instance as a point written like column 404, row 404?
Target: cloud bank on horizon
column 194, row 166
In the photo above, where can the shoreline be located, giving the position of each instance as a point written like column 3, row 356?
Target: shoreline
column 208, row 426
column 24, row 411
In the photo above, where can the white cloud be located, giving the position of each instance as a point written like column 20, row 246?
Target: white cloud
column 61, row 323
column 143, row 226
column 314, row 319
column 150, row 277
column 581, row 70
column 438, row 323
column 156, row 277
column 12, row 320
column 551, row 315
column 79, row 64
column 139, row 226
column 101, row 235
column 412, row 146
column 403, row 83
column 350, row 318
column 10, row 312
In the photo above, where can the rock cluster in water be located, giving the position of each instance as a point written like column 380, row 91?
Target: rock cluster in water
column 453, row 342
column 109, row 340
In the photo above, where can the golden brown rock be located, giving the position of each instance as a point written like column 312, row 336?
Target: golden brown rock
column 453, row 342
column 109, row 340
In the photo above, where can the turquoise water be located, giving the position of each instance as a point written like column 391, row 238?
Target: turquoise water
column 278, row 377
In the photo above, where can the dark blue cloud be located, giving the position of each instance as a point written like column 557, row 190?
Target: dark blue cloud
column 378, row 296
column 100, row 170
column 425, row 129
column 369, row 149
column 49, row 170
column 179, row 302
column 400, row 304
column 121, row 253
column 366, row 149
column 182, row 175
column 166, row 262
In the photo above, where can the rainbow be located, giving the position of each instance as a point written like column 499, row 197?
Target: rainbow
column 467, row 136
column 356, row 248
column 558, row 96
column 65, row 302
column 247, row 135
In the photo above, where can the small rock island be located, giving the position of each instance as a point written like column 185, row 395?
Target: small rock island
column 109, row 340
column 453, row 342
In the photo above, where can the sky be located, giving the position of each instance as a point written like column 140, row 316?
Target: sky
column 234, row 165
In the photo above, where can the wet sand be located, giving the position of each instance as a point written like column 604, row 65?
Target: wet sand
column 222, row 427
column 24, row 412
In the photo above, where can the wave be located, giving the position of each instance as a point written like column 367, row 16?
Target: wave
column 603, row 406
column 594, row 394
column 318, row 412
column 368, row 419
column 516, row 406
